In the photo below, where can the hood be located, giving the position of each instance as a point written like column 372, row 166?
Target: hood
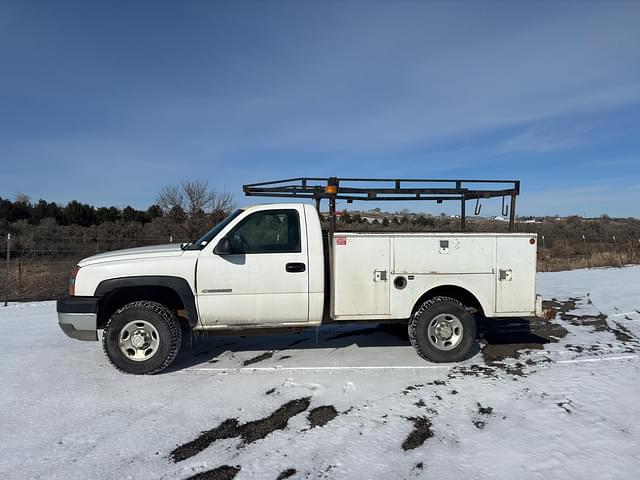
column 168, row 250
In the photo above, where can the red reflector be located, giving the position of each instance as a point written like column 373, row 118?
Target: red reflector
column 532, row 241
column 341, row 240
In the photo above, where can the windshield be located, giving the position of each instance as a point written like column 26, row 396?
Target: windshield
column 207, row 237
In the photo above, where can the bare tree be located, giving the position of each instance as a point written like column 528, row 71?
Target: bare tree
column 170, row 198
column 222, row 202
column 23, row 199
column 194, row 198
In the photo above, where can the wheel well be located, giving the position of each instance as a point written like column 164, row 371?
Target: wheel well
column 453, row 291
column 121, row 296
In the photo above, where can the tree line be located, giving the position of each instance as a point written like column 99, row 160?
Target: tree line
column 73, row 213
column 182, row 211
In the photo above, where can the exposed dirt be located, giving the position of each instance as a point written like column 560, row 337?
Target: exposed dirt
column 502, row 339
column 484, row 410
column 278, row 420
column 249, row 432
column 437, row 382
column 622, row 334
column 411, row 388
column 598, row 322
column 565, row 405
column 225, row 472
column 227, row 429
column 290, row 472
column 560, row 307
column 320, row 416
column 257, row 359
column 472, row 371
column 420, row 434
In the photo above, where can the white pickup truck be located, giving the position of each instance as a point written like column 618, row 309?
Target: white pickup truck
column 271, row 266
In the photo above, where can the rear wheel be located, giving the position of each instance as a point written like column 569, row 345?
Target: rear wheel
column 142, row 338
column 442, row 330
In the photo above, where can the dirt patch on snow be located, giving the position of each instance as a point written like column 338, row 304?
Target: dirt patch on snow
column 478, row 422
column 320, row 416
column 509, row 339
column 484, row 410
column 421, row 433
column 249, row 432
column 225, row 472
column 472, row 371
column 598, row 322
column 290, row 472
column 257, row 359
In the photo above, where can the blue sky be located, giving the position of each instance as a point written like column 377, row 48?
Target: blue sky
column 106, row 102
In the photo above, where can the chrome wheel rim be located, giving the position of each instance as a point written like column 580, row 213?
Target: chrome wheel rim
column 138, row 340
column 445, row 331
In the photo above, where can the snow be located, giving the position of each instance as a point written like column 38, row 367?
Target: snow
column 572, row 412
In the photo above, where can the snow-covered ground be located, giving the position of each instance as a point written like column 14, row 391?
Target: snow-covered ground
column 543, row 399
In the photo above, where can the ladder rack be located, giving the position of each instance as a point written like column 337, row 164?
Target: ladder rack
column 388, row 189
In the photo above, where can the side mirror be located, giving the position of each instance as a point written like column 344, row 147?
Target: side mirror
column 223, row 247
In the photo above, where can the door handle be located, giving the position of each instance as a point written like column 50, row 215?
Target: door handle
column 295, row 267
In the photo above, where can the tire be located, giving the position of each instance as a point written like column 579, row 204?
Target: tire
column 142, row 338
column 442, row 330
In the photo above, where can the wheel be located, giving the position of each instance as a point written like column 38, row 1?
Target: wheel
column 142, row 338
column 442, row 330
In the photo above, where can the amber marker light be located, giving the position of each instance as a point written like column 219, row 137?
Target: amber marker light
column 72, row 281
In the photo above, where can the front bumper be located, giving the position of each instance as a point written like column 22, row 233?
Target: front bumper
column 78, row 317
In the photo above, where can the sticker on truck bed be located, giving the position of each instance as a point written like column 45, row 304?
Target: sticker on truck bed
column 341, row 240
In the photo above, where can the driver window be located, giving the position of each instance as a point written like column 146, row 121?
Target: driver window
column 269, row 231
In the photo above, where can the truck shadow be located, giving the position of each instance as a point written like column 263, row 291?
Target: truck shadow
column 506, row 336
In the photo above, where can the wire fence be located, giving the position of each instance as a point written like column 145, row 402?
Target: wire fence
column 38, row 268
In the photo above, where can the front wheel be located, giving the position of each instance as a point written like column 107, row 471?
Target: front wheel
column 442, row 330
column 142, row 338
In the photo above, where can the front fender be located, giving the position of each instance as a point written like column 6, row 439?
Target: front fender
column 177, row 284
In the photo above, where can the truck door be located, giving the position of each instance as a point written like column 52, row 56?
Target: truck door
column 265, row 279
column 515, row 274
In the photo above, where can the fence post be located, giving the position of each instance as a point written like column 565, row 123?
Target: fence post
column 615, row 242
column 544, row 257
column 586, row 249
column 6, row 285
